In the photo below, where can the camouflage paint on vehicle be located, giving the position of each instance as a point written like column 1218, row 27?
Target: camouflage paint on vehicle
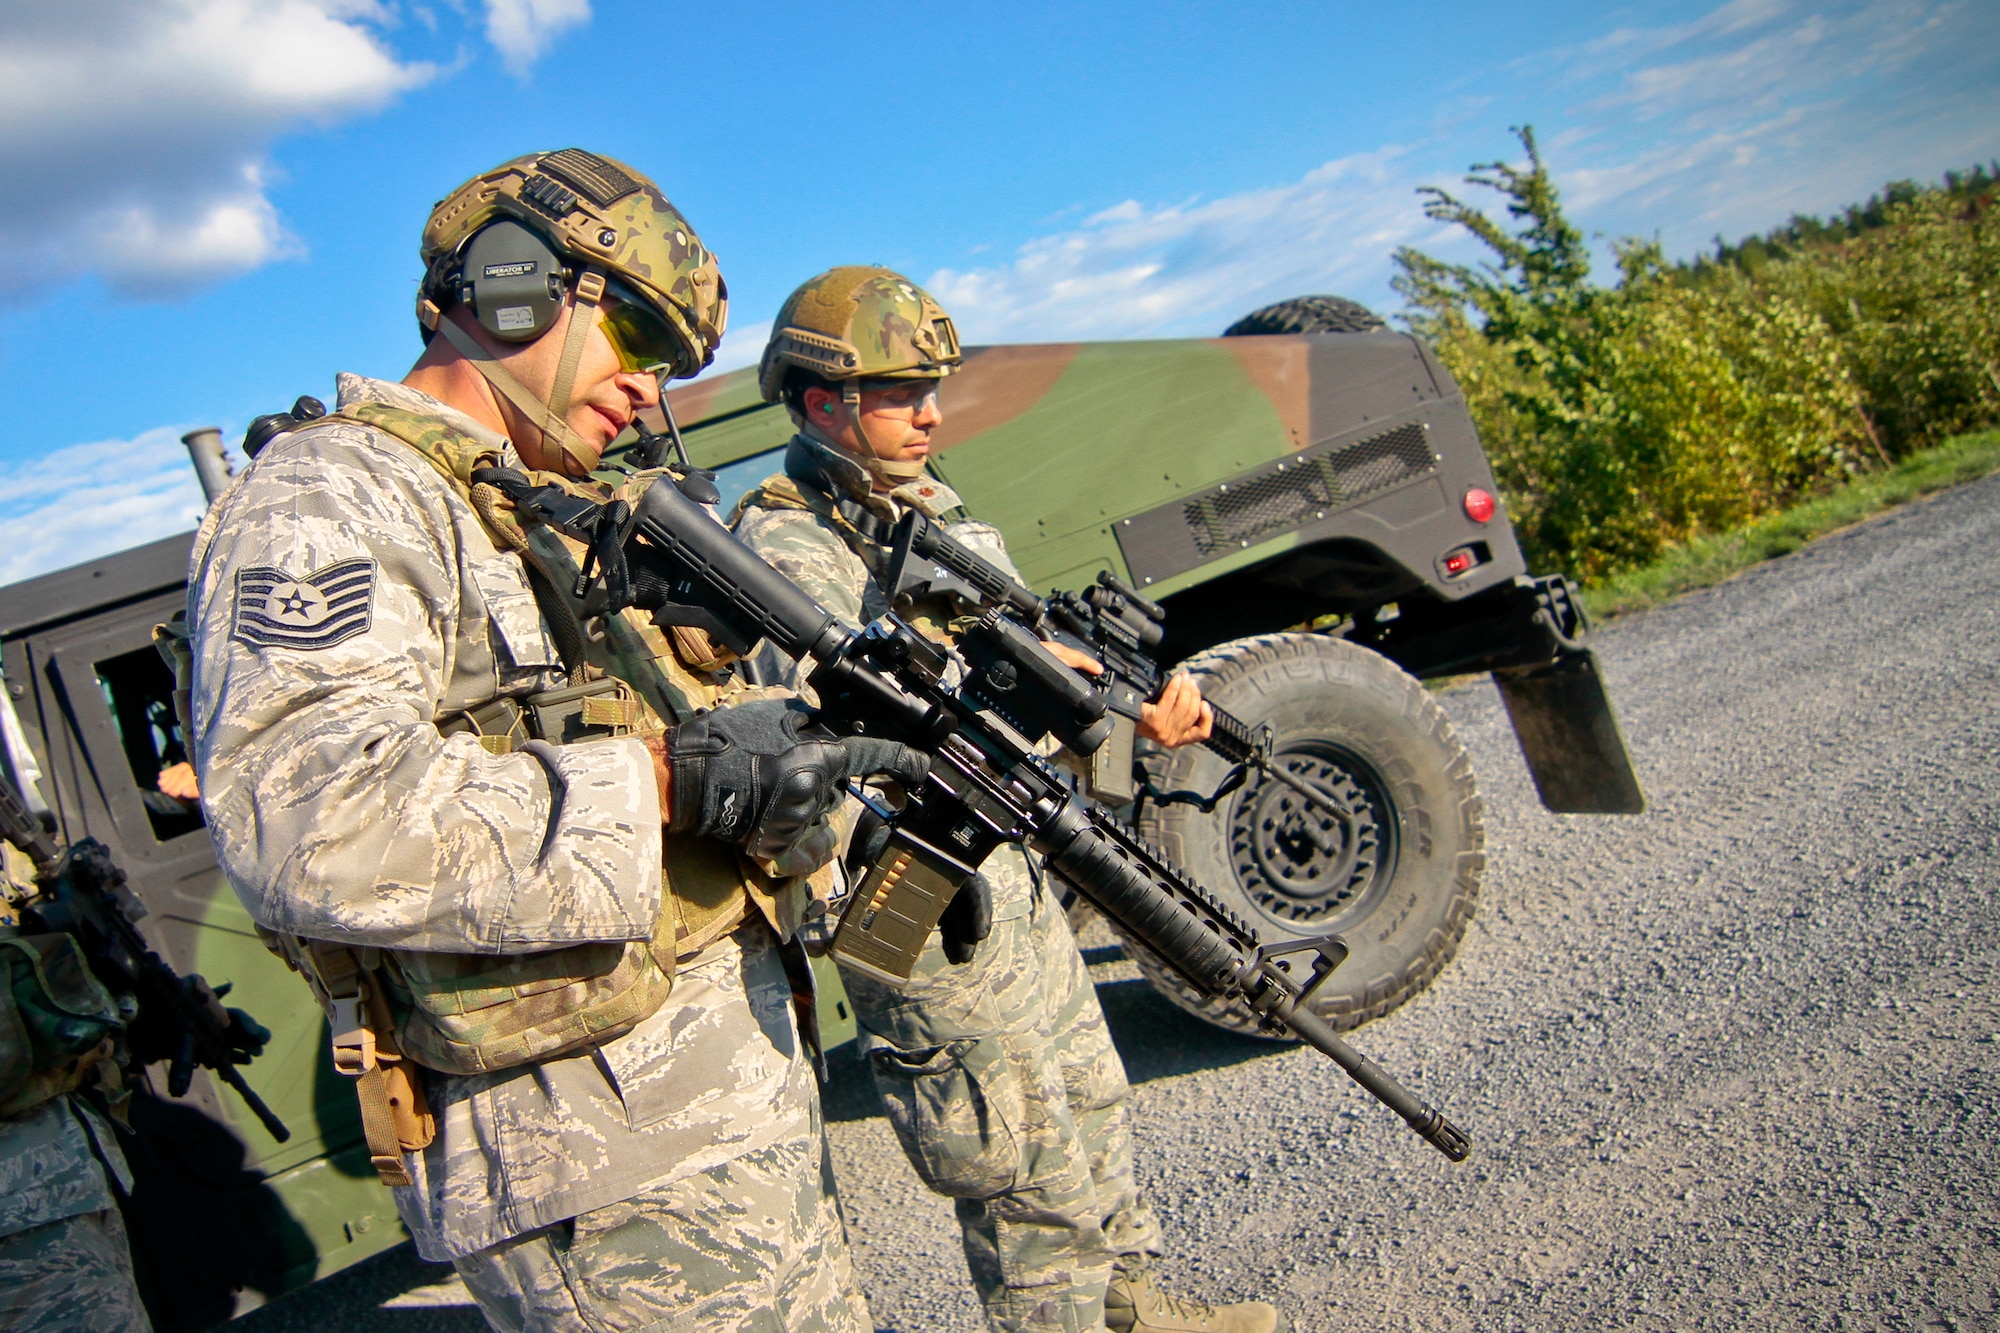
column 1134, row 457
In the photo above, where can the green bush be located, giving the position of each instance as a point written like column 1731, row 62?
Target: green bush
column 1711, row 559
column 1915, row 303
column 1695, row 398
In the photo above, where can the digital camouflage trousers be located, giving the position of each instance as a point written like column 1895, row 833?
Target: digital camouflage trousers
column 1002, row 1084
column 753, row 1246
column 73, row 1274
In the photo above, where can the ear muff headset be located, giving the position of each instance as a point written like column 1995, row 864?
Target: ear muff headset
column 513, row 283
column 516, row 286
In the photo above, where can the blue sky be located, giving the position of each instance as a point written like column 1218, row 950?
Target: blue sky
column 213, row 205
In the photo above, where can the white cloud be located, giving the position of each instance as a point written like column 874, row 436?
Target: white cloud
column 1763, row 108
column 135, row 134
column 1190, row 267
column 134, row 143
column 1728, row 123
column 522, row 29
column 86, row 500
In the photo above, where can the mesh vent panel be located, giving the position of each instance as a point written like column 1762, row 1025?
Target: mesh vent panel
column 1305, row 486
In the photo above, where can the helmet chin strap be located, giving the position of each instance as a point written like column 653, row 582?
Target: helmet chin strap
column 892, row 471
column 552, row 417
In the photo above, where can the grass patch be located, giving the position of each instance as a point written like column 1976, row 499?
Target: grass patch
column 1710, row 560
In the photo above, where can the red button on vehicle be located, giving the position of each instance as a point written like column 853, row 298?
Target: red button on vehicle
column 1457, row 563
column 1479, row 505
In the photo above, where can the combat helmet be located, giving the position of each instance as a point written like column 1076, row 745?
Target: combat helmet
column 524, row 240
column 859, row 323
column 855, row 324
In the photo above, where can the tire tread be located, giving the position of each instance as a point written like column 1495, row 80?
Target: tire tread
column 1304, row 657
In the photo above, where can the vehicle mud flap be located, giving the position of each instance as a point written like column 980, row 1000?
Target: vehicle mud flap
column 1570, row 736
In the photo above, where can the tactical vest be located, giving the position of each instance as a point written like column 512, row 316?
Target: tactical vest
column 865, row 524
column 473, row 1013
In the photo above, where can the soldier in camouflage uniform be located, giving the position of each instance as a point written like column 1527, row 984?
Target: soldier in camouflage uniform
column 440, row 782
column 64, row 1260
column 999, row 1076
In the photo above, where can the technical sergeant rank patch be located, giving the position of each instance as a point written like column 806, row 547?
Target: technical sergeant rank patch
column 274, row 609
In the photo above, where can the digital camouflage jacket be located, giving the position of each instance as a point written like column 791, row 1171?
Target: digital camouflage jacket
column 343, row 600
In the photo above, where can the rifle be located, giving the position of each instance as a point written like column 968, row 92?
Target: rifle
column 978, row 710
column 1111, row 621
column 85, row 894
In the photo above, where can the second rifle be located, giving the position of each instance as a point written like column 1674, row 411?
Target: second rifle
column 84, row 894
column 1111, row 621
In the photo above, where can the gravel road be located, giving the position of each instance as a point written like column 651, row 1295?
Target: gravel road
column 1729, row 1064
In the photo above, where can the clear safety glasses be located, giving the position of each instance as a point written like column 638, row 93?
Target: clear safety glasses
column 911, row 396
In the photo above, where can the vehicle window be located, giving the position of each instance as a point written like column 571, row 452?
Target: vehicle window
column 139, row 689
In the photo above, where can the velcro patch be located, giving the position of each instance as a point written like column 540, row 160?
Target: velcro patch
column 274, row 609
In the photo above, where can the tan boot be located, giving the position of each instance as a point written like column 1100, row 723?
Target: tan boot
column 1135, row 1305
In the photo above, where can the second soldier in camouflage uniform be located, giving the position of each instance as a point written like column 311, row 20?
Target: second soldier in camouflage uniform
column 64, row 1260
column 999, row 1076
column 440, row 783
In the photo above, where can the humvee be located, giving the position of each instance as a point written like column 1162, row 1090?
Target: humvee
column 1312, row 508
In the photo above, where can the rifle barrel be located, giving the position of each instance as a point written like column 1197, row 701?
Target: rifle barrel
column 1427, row 1120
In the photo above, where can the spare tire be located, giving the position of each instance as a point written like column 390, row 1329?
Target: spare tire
column 1395, row 872
column 1308, row 314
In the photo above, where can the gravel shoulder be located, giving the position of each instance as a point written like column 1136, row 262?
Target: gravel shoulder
column 1733, row 1062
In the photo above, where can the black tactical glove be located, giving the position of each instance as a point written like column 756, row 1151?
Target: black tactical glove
column 761, row 776
column 245, row 1036
column 968, row 917
column 866, row 844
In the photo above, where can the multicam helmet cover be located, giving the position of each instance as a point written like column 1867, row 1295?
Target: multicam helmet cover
column 859, row 323
column 595, row 212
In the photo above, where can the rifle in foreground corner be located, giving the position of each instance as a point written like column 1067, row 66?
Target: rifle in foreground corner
column 84, row 894
column 978, row 710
